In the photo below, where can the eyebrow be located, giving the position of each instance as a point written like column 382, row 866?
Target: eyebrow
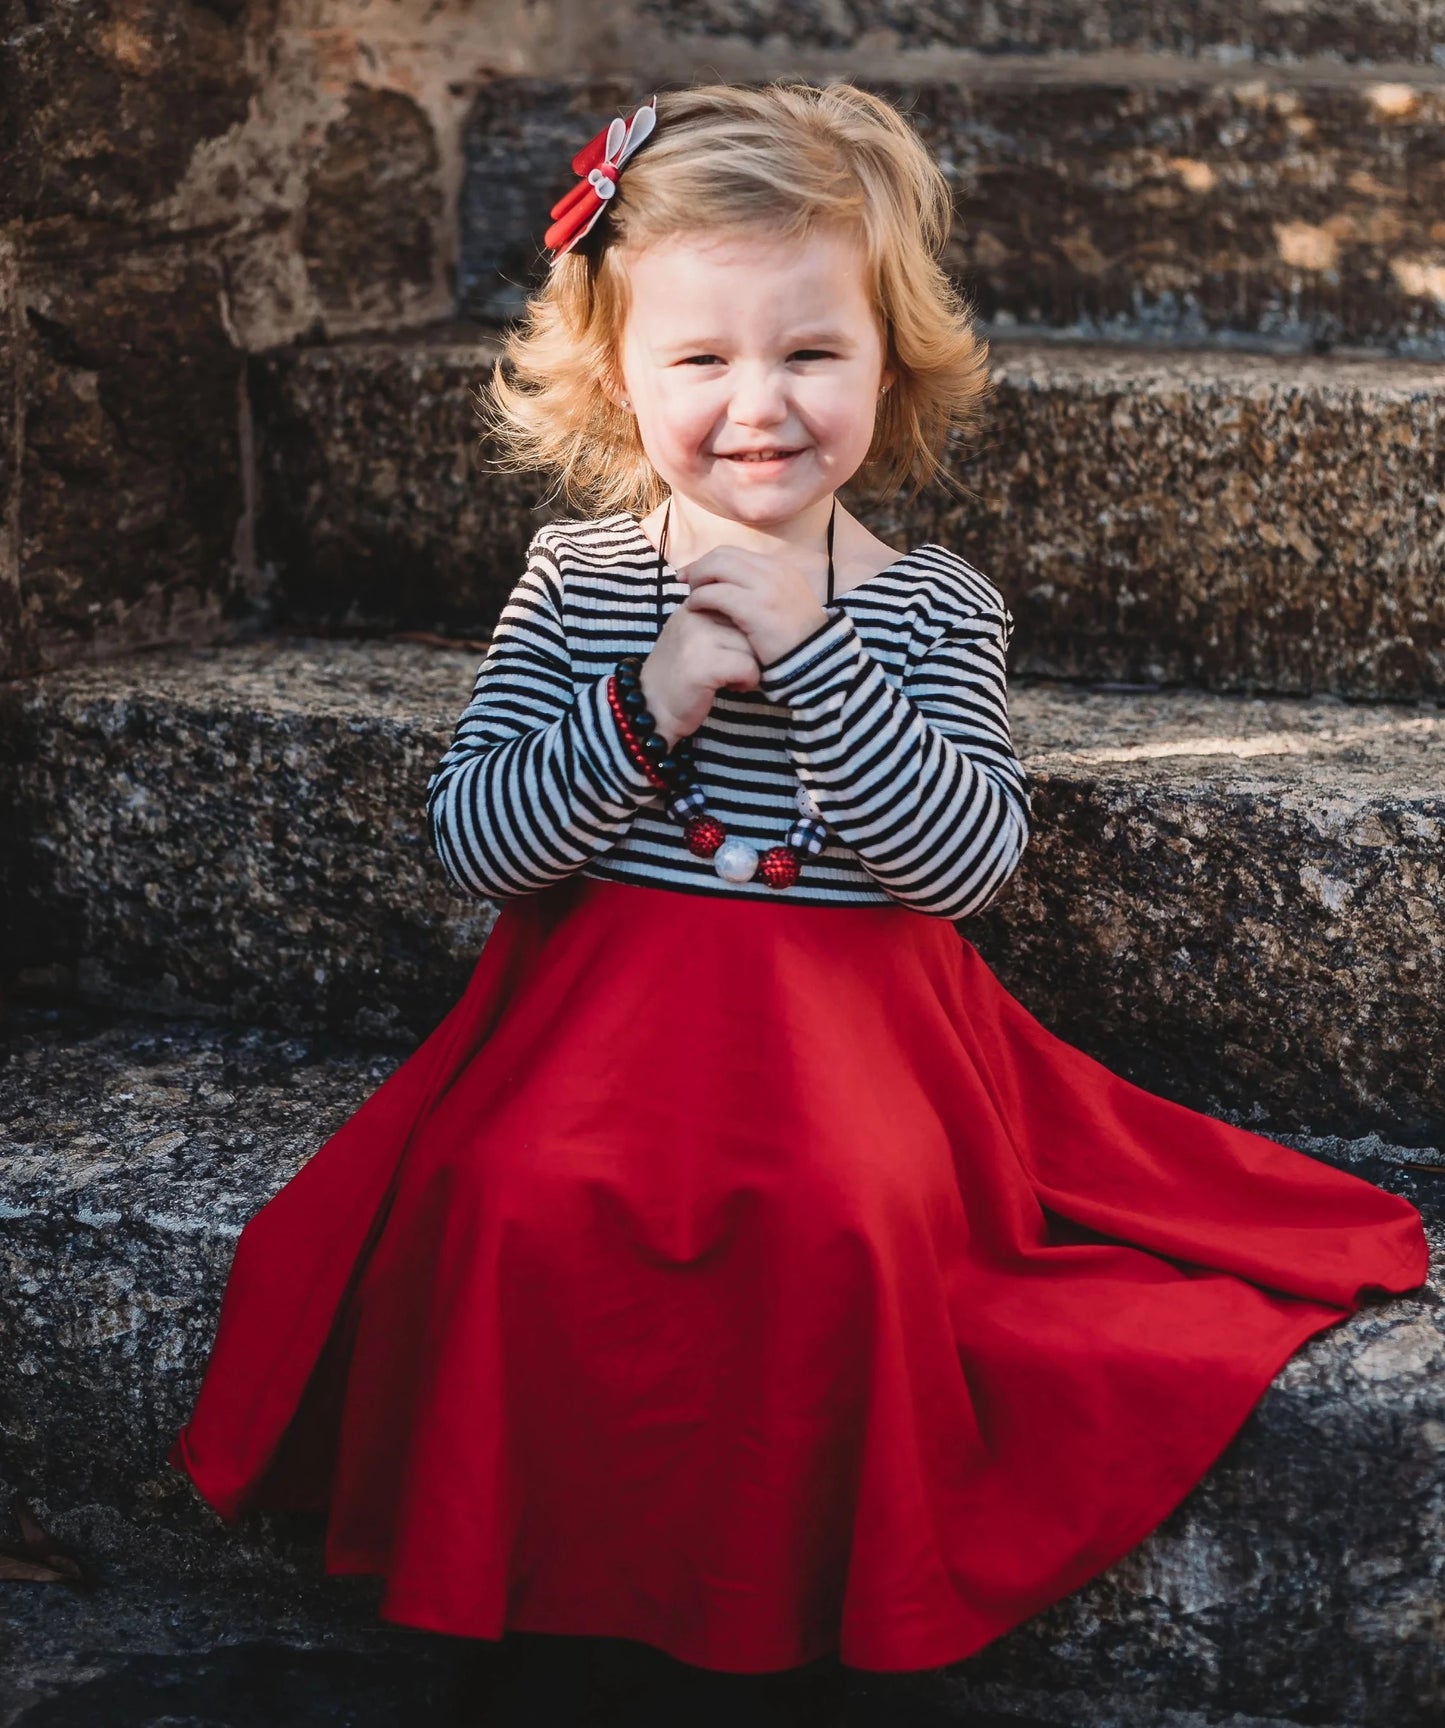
column 802, row 339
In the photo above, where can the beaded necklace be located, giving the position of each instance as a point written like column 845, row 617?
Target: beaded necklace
column 674, row 771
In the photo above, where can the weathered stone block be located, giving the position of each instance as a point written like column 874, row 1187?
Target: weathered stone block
column 1303, row 215
column 1227, row 520
column 1239, row 901
column 269, row 824
column 378, row 507
column 371, row 224
column 176, row 1137
column 165, row 1649
column 1299, row 215
column 1299, row 1580
column 102, row 105
column 131, row 490
column 1366, row 31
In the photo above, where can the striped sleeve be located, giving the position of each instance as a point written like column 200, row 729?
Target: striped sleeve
column 920, row 781
column 536, row 781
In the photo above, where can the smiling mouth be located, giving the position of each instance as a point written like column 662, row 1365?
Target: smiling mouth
column 759, row 455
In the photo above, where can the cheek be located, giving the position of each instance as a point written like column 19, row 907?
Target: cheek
column 679, row 420
column 842, row 411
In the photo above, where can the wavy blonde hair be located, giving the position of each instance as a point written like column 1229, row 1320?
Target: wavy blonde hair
column 786, row 157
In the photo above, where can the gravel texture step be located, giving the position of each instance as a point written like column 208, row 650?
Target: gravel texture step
column 1227, row 520
column 1293, row 213
column 1212, row 888
column 1301, row 1581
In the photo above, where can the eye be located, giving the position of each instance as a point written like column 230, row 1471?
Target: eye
column 700, row 360
column 812, row 354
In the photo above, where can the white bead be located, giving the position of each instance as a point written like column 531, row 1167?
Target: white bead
column 808, row 804
column 736, row 861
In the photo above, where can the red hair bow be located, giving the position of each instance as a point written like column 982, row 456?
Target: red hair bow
column 598, row 165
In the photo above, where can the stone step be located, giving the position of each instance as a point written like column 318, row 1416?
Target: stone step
column 1366, row 32
column 1217, row 519
column 157, row 1653
column 153, row 1652
column 144, row 1649
column 1233, row 899
column 1131, row 200
column 1297, row 1583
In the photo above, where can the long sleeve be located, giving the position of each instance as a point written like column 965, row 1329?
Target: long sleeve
column 536, row 781
column 920, row 781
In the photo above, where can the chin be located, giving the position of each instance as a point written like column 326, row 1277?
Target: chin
column 762, row 501
column 763, row 512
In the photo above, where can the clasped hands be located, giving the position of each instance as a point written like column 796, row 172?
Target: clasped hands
column 743, row 612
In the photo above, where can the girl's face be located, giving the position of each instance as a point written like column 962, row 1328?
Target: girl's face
column 753, row 365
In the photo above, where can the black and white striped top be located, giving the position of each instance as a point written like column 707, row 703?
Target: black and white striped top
column 893, row 715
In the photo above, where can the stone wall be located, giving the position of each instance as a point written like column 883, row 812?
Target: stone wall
column 186, row 182
column 1360, row 31
column 1304, row 218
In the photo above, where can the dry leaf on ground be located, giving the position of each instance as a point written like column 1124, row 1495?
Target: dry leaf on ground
column 39, row 1558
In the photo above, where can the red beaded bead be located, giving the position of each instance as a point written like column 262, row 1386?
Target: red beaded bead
column 702, row 835
column 779, row 867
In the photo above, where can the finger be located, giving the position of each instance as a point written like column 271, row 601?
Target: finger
column 725, row 564
column 742, row 670
column 713, row 628
column 723, row 599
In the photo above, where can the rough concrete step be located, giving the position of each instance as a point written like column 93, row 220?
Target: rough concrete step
column 146, row 1650
column 1365, row 32
column 153, row 1653
column 1224, row 520
column 1234, row 899
column 1129, row 200
column 149, row 1652
column 1300, row 1581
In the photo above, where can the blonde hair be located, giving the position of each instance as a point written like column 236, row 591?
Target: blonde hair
column 788, row 157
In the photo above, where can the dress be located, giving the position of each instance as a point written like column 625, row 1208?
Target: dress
column 750, row 1274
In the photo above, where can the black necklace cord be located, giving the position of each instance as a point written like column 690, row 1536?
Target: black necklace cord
column 661, row 556
column 832, row 522
column 662, row 553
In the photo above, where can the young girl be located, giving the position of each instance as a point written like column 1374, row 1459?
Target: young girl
column 738, row 1269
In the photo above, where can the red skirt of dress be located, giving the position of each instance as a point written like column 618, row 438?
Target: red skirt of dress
column 757, row 1280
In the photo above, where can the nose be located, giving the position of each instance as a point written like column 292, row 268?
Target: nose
column 759, row 397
